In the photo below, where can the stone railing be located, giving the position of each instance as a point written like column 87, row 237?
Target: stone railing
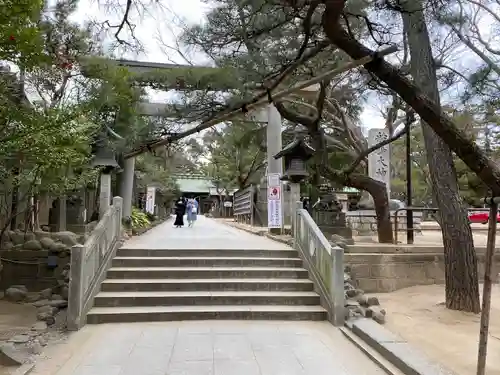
column 90, row 262
column 324, row 262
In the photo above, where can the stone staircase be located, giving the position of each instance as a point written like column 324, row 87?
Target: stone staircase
column 199, row 284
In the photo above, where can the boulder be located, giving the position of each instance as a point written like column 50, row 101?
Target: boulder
column 40, row 303
column 32, row 245
column 46, row 293
column 59, row 247
column 15, row 295
column 19, row 286
column 56, row 297
column 16, row 237
column 65, row 292
column 46, row 314
column 372, row 301
column 47, row 243
column 7, row 246
column 60, row 304
column 28, row 236
column 67, row 238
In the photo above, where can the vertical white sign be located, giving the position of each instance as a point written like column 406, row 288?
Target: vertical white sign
column 274, row 197
column 150, row 199
column 379, row 161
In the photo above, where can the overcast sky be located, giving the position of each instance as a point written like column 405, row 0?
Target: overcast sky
column 166, row 21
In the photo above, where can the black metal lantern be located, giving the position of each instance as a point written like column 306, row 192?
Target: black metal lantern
column 295, row 154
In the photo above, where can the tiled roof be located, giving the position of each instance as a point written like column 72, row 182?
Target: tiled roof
column 194, row 185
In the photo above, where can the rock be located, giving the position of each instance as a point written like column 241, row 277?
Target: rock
column 33, row 297
column 379, row 318
column 46, row 293
column 58, row 247
column 46, row 314
column 65, row 275
column 18, row 247
column 39, row 327
column 353, row 292
column 19, row 339
column 2, row 294
column 16, row 237
column 15, row 294
column 47, row 243
column 32, row 245
column 42, row 341
column 7, row 245
column 58, row 303
column 12, row 356
column 36, row 347
column 20, row 287
column 40, row 303
column 56, row 297
column 372, row 301
column 67, row 238
column 351, row 303
column 65, row 292
column 362, row 299
column 46, row 317
column 28, row 236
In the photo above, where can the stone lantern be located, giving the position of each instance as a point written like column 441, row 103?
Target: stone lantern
column 295, row 155
column 104, row 158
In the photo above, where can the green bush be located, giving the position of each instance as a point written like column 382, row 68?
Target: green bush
column 151, row 217
column 139, row 219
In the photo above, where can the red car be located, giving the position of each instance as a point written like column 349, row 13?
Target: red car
column 481, row 217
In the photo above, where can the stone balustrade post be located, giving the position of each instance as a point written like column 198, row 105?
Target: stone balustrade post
column 75, row 297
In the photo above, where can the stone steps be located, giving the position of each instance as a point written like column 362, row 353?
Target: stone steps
column 205, row 272
column 205, row 262
column 203, row 312
column 255, row 253
column 199, row 284
column 126, row 299
column 233, row 284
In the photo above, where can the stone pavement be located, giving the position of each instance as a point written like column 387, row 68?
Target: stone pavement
column 207, row 348
column 205, row 234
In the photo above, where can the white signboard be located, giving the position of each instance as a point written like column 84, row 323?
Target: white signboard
column 274, row 206
column 379, row 161
column 228, row 204
column 150, row 199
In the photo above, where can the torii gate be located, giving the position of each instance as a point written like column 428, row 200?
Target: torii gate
column 270, row 116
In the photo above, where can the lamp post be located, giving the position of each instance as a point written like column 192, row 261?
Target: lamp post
column 295, row 154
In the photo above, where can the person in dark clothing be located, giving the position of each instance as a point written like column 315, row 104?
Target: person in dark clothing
column 180, row 209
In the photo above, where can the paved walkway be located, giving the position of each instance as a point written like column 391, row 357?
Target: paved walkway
column 205, row 234
column 206, row 347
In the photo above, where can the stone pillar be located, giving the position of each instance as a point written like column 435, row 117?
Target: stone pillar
column 274, row 145
column 294, row 198
column 127, row 186
column 104, row 194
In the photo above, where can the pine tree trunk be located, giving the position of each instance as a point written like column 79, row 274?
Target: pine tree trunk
column 462, row 292
column 378, row 191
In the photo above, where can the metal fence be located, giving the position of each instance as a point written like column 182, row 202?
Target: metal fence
column 243, row 205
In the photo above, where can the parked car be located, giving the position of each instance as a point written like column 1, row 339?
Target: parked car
column 481, row 217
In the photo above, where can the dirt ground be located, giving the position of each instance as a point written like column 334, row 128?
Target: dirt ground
column 450, row 337
column 14, row 319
